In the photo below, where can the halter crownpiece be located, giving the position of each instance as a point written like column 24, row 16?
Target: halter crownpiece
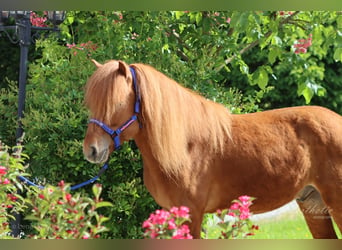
column 115, row 134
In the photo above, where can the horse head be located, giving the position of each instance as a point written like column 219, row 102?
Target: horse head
column 112, row 102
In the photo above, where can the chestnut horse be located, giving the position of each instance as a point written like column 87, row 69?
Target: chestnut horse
column 197, row 154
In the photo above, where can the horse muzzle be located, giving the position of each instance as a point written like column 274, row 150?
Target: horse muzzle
column 96, row 155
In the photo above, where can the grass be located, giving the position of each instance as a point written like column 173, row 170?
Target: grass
column 284, row 225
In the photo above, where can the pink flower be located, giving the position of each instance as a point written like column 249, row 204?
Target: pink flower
column 245, row 200
column 182, row 233
column 301, row 45
column 12, row 197
column 232, row 214
column 153, row 234
column 147, row 224
column 6, row 181
column 3, row 170
column 171, row 224
column 161, row 217
column 61, row 184
column 68, row 197
column 36, row 20
column 182, row 212
column 244, row 215
column 70, row 46
column 235, row 206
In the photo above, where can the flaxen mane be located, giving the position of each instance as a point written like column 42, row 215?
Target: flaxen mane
column 176, row 117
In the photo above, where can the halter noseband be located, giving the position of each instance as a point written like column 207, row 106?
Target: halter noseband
column 115, row 134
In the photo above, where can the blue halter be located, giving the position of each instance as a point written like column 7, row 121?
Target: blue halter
column 115, row 134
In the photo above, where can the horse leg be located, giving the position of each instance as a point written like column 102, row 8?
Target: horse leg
column 316, row 213
column 333, row 199
column 196, row 225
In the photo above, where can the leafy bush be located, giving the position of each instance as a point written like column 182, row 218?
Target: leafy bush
column 55, row 212
column 11, row 202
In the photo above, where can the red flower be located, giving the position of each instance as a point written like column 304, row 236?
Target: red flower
column 12, row 197
column 61, row 184
column 182, row 233
column 41, row 196
column 301, row 45
column 3, row 170
column 68, row 197
column 37, row 21
column 255, row 227
column 182, row 212
column 6, row 181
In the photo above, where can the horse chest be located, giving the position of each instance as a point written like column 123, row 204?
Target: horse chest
column 160, row 187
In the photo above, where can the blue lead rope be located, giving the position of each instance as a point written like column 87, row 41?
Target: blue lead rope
column 90, row 181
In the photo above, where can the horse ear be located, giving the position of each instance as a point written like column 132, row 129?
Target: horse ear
column 97, row 64
column 123, row 68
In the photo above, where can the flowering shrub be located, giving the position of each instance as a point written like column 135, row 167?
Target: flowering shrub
column 241, row 226
column 10, row 201
column 55, row 212
column 169, row 225
column 38, row 21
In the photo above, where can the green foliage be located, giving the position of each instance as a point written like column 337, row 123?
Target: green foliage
column 8, row 112
column 57, row 214
column 244, row 60
column 54, row 212
column 11, row 202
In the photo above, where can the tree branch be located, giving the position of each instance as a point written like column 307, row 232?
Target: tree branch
column 181, row 42
column 255, row 43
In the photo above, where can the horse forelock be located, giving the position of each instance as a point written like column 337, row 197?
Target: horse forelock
column 103, row 91
column 176, row 117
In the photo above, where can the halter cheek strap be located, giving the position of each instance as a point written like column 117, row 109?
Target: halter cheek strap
column 115, row 134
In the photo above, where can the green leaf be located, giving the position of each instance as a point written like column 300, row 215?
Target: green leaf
column 198, row 17
column 273, row 54
column 97, row 189
column 338, row 55
column 104, row 204
column 339, row 22
column 179, row 14
column 307, row 93
column 309, row 89
column 70, row 19
column 32, row 217
column 206, row 25
column 260, row 77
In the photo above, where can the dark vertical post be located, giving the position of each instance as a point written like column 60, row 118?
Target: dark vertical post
column 24, row 27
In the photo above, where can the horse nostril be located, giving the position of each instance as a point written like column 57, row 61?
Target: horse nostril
column 93, row 151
